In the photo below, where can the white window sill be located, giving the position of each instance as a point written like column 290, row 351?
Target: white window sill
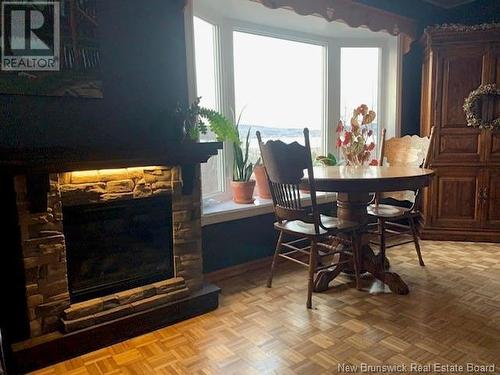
column 221, row 210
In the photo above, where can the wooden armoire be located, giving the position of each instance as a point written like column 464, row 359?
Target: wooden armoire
column 463, row 202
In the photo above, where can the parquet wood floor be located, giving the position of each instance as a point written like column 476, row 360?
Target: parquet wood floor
column 451, row 316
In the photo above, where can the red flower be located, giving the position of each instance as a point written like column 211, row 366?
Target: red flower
column 339, row 142
column 340, row 127
column 371, row 146
column 374, row 162
column 347, row 138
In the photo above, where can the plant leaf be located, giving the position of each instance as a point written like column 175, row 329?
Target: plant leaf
column 247, row 144
column 248, row 172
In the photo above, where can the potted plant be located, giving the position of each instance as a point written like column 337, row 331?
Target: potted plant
column 241, row 186
column 260, row 174
column 195, row 120
column 329, row 160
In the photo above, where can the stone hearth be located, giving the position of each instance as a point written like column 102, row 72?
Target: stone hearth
column 44, row 250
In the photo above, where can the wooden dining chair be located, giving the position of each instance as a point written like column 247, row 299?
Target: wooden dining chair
column 406, row 151
column 307, row 229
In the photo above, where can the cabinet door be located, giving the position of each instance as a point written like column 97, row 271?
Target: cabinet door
column 461, row 72
column 457, row 204
column 491, row 201
column 492, row 143
column 495, row 73
column 492, row 139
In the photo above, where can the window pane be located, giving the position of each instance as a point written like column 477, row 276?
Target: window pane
column 279, row 89
column 359, row 82
column 205, row 56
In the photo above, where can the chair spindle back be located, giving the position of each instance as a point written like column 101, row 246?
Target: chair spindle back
column 406, row 151
column 285, row 164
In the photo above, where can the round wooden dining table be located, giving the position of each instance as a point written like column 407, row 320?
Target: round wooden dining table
column 355, row 186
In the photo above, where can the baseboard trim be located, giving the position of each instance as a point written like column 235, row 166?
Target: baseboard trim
column 227, row 273
column 437, row 234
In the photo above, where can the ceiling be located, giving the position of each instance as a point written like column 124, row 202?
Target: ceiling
column 447, row 4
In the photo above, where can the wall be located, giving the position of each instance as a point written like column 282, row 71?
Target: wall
column 12, row 320
column 143, row 70
column 419, row 10
column 479, row 11
column 239, row 241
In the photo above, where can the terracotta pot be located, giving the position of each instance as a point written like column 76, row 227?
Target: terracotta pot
column 243, row 191
column 262, row 184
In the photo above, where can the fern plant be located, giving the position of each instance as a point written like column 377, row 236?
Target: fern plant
column 198, row 120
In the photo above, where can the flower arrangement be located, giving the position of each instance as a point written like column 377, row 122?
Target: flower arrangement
column 357, row 143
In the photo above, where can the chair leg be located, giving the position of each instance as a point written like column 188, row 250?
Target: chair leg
column 415, row 240
column 275, row 259
column 312, row 267
column 356, row 253
column 382, row 245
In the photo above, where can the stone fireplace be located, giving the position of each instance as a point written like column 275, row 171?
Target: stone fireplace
column 78, row 273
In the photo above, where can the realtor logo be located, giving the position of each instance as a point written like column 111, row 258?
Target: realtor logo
column 30, row 36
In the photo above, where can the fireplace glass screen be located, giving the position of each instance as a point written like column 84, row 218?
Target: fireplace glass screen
column 118, row 245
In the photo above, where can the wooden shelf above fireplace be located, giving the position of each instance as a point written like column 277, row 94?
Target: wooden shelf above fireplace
column 61, row 159
column 37, row 163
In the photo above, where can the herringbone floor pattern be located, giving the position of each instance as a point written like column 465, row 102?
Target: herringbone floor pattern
column 451, row 316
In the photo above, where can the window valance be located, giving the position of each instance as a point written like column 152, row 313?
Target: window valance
column 353, row 14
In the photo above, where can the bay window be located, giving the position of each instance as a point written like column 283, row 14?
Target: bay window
column 283, row 72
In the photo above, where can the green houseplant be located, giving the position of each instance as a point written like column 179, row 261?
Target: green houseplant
column 196, row 120
column 241, row 186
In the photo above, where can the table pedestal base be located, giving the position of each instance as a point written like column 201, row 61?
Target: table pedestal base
column 352, row 207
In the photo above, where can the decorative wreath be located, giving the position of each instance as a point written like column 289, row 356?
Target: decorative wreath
column 472, row 107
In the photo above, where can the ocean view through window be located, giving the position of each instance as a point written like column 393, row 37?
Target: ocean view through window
column 279, row 89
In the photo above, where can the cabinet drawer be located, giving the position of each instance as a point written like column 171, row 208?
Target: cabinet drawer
column 491, row 200
column 456, row 204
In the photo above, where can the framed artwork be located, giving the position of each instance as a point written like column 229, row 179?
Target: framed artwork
column 51, row 48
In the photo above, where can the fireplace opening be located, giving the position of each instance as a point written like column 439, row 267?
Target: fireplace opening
column 118, row 245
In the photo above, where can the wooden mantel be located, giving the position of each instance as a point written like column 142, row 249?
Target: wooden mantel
column 36, row 164
column 60, row 159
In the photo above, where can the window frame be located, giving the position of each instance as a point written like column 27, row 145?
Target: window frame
column 266, row 31
column 390, row 65
column 221, row 88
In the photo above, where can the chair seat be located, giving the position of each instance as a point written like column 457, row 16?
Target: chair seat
column 300, row 227
column 387, row 211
